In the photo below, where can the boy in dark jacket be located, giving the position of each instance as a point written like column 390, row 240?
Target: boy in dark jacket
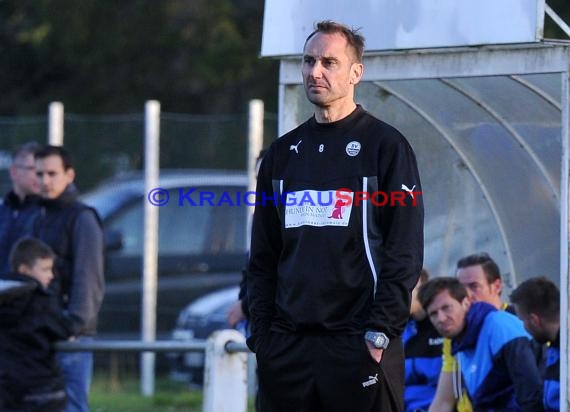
column 31, row 320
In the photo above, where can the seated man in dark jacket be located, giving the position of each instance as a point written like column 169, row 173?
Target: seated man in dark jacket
column 497, row 365
column 31, row 320
column 422, row 348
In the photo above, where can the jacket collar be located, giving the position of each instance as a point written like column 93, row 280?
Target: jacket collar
column 474, row 322
column 13, row 201
column 69, row 195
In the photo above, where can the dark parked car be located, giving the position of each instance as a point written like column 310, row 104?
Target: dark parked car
column 198, row 320
column 202, row 242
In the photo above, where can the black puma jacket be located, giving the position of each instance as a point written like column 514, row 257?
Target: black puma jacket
column 337, row 241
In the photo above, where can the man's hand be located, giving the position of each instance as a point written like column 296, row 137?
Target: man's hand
column 375, row 353
column 235, row 314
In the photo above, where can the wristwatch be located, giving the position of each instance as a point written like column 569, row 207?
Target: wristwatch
column 378, row 339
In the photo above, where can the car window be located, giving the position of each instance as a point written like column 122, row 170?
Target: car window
column 201, row 229
column 183, row 229
column 129, row 223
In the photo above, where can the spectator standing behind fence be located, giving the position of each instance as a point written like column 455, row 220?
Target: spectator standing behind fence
column 31, row 320
column 497, row 365
column 329, row 293
column 537, row 303
column 21, row 202
column 74, row 232
column 422, row 346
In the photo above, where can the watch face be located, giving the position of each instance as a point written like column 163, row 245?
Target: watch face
column 378, row 339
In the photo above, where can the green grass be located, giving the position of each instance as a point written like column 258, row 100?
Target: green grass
column 124, row 396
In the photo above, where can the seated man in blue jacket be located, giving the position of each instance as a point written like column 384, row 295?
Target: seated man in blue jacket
column 537, row 302
column 497, row 365
column 422, row 347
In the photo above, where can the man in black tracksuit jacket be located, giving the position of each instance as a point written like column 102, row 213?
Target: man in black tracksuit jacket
column 337, row 247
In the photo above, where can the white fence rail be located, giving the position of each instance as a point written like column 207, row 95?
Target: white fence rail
column 225, row 370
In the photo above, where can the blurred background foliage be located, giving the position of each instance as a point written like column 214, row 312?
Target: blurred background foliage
column 109, row 56
column 104, row 58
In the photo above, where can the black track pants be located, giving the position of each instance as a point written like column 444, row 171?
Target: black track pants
column 299, row 373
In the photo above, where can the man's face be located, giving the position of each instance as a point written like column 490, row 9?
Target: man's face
column 52, row 176
column 479, row 289
column 41, row 270
column 447, row 314
column 532, row 324
column 329, row 71
column 23, row 176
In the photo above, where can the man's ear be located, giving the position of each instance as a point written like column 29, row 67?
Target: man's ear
column 24, row 269
column 534, row 319
column 497, row 286
column 356, row 72
column 12, row 171
column 70, row 175
column 466, row 303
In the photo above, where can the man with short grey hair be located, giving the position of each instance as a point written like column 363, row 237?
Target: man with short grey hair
column 20, row 202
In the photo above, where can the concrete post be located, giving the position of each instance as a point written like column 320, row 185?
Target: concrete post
column 225, row 374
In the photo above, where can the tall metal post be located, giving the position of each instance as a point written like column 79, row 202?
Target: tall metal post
column 255, row 143
column 564, row 244
column 150, row 256
column 55, row 124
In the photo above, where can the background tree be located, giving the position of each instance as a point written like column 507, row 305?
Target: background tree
column 101, row 56
column 109, row 56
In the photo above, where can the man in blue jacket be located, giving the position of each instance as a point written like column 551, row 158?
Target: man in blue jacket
column 537, row 303
column 493, row 350
column 21, row 202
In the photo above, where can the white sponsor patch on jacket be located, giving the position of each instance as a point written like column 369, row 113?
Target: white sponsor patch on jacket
column 318, row 208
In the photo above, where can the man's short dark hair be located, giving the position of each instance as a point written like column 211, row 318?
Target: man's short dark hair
column 434, row 287
column 27, row 250
column 353, row 38
column 30, row 148
column 489, row 266
column 538, row 295
column 60, row 151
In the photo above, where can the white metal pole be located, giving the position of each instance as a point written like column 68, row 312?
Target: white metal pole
column 255, row 143
column 150, row 257
column 557, row 19
column 225, row 374
column 55, row 124
column 564, row 244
